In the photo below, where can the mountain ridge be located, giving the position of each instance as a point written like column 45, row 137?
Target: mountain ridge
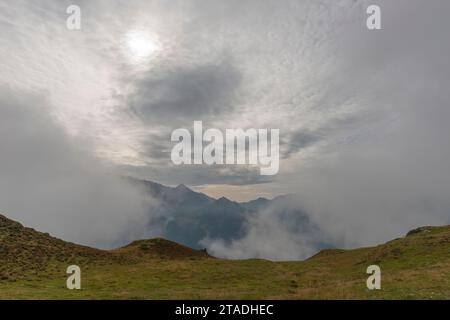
column 188, row 217
column 154, row 186
column 24, row 250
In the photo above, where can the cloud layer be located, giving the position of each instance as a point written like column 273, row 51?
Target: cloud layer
column 52, row 182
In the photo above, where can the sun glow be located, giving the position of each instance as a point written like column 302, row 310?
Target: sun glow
column 141, row 45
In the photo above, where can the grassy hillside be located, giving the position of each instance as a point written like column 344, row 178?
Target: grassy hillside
column 33, row 265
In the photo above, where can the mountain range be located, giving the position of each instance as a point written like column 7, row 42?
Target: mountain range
column 190, row 217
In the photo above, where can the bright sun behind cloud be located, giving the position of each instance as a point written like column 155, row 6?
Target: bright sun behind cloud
column 141, row 45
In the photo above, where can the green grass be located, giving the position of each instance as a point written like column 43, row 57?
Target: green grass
column 413, row 267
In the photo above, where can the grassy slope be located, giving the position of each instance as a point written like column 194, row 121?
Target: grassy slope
column 33, row 266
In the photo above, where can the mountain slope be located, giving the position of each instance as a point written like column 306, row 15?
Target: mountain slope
column 415, row 266
column 257, row 204
column 159, row 249
column 26, row 252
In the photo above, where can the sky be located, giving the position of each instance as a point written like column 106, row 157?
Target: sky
column 363, row 114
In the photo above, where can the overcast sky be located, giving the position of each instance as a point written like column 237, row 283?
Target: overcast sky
column 230, row 64
column 363, row 115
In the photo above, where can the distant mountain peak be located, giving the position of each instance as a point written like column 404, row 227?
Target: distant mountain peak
column 182, row 187
column 257, row 204
column 224, row 200
column 262, row 199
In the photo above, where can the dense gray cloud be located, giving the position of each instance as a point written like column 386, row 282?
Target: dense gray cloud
column 281, row 231
column 183, row 94
column 51, row 181
column 392, row 174
column 200, row 174
column 297, row 141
